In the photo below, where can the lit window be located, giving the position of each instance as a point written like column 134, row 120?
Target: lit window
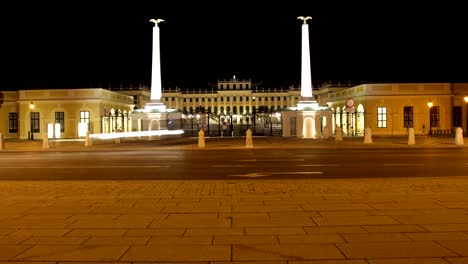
column 84, row 117
column 60, row 119
column 381, row 116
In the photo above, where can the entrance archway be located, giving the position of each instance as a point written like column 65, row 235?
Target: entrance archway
column 308, row 127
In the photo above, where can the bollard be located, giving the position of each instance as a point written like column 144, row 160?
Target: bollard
column 45, row 141
column 201, row 139
column 88, row 141
column 368, row 136
column 339, row 134
column 459, row 136
column 411, row 140
column 248, row 139
column 326, row 132
column 2, row 144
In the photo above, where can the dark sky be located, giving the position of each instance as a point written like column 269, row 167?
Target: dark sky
column 71, row 44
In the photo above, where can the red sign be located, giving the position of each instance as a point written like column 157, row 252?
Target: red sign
column 349, row 103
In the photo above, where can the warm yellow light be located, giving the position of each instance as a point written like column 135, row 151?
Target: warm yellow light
column 31, row 105
column 466, row 99
column 429, row 104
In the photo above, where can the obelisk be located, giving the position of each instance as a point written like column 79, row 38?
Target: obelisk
column 307, row 101
column 155, row 103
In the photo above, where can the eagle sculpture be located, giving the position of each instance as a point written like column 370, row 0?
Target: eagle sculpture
column 156, row 21
column 304, row 18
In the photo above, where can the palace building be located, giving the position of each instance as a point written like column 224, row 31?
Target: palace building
column 59, row 113
column 388, row 109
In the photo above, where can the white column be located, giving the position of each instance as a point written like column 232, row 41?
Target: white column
column 155, row 104
column 306, row 79
column 306, row 101
column 156, row 89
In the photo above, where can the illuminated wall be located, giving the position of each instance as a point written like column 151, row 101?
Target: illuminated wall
column 69, row 101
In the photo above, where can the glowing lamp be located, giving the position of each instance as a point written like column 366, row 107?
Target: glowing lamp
column 429, row 104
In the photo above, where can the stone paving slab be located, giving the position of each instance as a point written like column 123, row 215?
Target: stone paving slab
column 178, row 253
column 371, row 250
column 285, row 252
column 72, row 253
column 418, row 227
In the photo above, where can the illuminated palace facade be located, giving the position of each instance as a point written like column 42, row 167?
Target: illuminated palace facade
column 388, row 109
column 58, row 112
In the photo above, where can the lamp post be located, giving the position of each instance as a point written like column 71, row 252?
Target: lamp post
column 466, row 102
column 31, row 106
column 429, row 104
column 191, row 124
column 207, row 118
column 271, row 124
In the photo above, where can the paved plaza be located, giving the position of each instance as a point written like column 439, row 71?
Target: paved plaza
column 333, row 221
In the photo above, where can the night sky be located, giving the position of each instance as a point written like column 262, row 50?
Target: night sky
column 74, row 44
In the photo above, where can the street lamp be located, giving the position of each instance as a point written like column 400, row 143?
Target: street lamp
column 466, row 101
column 31, row 106
column 429, row 104
column 191, row 124
column 271, row 124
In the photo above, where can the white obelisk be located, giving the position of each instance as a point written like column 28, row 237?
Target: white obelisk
column 155, row 103
column 307, row 101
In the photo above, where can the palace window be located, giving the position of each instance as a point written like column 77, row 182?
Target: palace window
column 408, row 116
column 60, row 119
column 381, row 116
column 457, row 116
column 84, row 117
column 13, row 122
column 35, row 122
column 435, row 116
